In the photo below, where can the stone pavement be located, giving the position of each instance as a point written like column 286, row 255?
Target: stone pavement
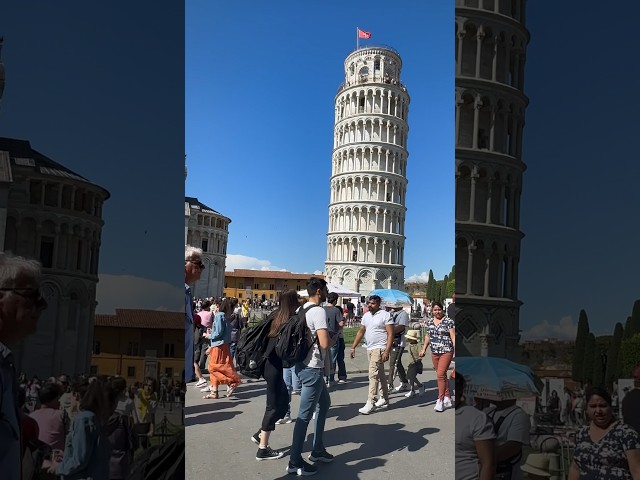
column 407, row 440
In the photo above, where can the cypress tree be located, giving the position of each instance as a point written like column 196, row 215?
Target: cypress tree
column 431, row 286
column 611, row 372
column 627, row 329
column 577, row 368
column 635, row 318
column 589, row 362
column 598, row 373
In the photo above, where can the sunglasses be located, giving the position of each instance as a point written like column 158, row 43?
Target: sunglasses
column 198, row 264
column 31, row 294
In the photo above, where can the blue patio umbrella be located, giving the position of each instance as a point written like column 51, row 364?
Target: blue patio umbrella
column 392, row 297
column 496, row 378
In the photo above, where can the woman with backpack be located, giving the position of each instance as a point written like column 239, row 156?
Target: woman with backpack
column 278, row 397
column 221, row 369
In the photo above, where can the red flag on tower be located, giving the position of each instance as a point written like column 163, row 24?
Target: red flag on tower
column 363, row 34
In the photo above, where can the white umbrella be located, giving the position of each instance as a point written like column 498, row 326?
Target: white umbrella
column 335, row 288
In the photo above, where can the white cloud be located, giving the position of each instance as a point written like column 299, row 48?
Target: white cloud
column 564, row 330
column 249, row 263
column 421, row 278
column 126, row 291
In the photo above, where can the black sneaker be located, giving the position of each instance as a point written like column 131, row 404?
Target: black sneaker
column 303, row 468
column 268, row 454
column 255, row 438
column 322, row 456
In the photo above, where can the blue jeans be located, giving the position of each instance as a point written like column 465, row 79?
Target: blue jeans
column 292, row 382
column 314, row 393
column 337, row 361
column 189, row 371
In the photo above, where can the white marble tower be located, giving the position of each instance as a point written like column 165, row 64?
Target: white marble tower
column 491, row 41
column 365, row 240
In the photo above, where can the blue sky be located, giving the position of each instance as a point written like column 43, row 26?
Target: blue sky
column 99, row 88
column 580, row 191
column 260, row 88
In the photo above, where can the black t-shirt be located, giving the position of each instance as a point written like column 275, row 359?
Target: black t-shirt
column 631, row 409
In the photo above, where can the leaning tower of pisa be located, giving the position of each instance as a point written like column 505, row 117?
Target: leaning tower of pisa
column 365, row 240
column 491, row 41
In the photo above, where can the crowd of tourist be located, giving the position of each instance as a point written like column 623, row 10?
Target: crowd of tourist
column 386, row 330
column 58, row 413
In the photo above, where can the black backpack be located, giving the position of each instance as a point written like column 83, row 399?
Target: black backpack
column 505, row 467
column 294, row 339
column 251, row 349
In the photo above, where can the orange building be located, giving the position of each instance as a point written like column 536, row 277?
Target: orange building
column 139, row 343
column 262, row 284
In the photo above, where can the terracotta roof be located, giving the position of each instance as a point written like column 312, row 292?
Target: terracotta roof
column 245, row 273
column 131, row 318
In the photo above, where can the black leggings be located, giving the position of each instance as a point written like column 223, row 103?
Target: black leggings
column 277, row 395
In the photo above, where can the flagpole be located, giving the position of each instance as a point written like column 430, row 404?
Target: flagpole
column 357, row 38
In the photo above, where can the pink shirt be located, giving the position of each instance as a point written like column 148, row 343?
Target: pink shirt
column 52, row 424
column 205, row 318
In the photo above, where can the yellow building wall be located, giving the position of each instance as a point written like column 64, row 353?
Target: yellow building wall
column 114, row 359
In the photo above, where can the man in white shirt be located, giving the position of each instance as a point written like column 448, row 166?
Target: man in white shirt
column 314, row 389
column 377, row 329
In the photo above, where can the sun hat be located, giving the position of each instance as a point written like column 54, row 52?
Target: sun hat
column 413, row 335
column 537, row 464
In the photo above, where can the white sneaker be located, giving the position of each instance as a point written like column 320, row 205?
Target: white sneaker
column 201, row 383
column 284, row 420
column 367, row 409
column 206, row 389
column 411, row 393
column 439, row 407
column 447, row 402
column 382, row 403
column 403, row 387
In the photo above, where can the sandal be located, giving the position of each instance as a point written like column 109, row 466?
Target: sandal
column 232, row 388
column 211, row 396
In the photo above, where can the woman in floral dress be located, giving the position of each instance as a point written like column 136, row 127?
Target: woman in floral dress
column 606, row 448
column 441, row 336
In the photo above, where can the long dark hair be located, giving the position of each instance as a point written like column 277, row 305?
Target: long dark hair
column 288, row 305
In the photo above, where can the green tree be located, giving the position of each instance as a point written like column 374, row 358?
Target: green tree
column 611, row 372
column 431, row 286
column 635, row 318
column 627, row 329
column 577, row 368
column 630, row 353
column 589, row 362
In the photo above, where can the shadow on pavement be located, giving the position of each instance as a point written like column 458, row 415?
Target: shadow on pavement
column 374, row 441
column 212, row 405
column 210, row 418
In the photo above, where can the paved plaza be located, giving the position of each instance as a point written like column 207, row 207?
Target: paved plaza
column 407, row 440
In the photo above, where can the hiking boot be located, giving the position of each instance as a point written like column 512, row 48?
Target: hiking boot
column 268, row 454
column 322, row 456
column 446, row 403
column 284, row 420
column 255, row 438
column 302, row 468
column 367, row 409
column 382, row 403
column 439, row 406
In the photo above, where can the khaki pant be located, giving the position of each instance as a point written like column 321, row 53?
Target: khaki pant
column 377, row 377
